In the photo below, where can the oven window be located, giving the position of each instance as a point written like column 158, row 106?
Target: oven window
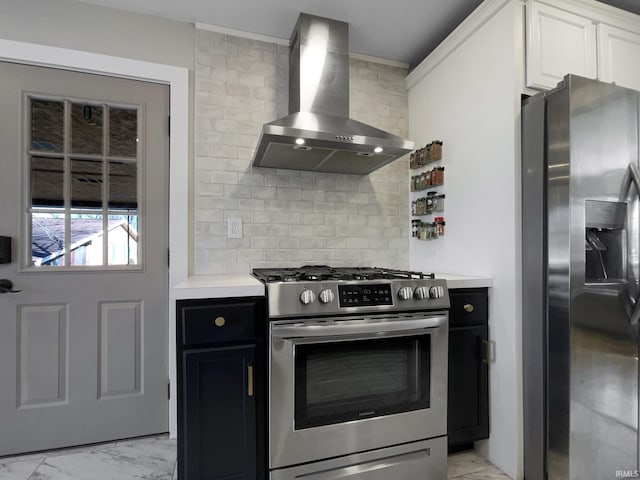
column 343, row 381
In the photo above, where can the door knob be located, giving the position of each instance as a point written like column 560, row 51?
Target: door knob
column 6, row 286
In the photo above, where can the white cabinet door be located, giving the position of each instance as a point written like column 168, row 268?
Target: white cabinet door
column 558, row 43
column 618, row 56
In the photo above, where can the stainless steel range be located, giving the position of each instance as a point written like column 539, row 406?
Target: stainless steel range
column 357, row 373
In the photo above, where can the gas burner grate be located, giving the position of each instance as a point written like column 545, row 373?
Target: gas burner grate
column 319, row 273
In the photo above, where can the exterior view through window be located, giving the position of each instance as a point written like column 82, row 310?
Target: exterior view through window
column 83, row 207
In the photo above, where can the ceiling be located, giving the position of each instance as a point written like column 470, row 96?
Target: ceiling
column 629, row 5
column 401, row 30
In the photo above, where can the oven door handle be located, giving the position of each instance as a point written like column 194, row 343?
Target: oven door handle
column 357, row 328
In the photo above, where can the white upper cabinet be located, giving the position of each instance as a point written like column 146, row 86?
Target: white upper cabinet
column 618, row 56
column 582, row 37
column 558, row 43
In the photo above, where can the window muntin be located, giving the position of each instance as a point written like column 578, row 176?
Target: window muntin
column 84, row 172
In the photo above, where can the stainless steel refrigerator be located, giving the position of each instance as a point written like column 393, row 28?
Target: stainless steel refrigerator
column 580, row 248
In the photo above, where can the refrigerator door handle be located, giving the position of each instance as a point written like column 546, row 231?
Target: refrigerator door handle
column 631, row 177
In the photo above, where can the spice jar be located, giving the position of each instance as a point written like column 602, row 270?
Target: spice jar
column 422, row 231
column 438, row 176
column 433, row 230
column 435, row 152
column 439, row 203
column 415, row 225
column 430, row 202
column 439, row 222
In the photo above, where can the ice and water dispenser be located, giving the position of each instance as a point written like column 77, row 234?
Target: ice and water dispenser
column 605, row 242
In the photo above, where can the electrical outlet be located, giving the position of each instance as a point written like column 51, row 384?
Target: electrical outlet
column 235, row 228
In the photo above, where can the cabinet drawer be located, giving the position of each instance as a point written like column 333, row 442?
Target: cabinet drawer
column 468, row 307
column 224, row 322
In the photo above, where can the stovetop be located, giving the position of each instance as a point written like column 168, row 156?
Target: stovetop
column 315, row 273
column 320, row 290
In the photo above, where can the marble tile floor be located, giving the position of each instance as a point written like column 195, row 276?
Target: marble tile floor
column 468, row 465
column 154, row 458
column 148, row 458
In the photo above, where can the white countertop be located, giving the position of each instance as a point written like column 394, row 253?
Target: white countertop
column 223, row 286
column 218, row 286
column 465, row 281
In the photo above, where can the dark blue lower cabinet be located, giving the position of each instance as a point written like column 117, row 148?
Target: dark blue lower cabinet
column 468, row 392
column 220, row 414
column 221, row 372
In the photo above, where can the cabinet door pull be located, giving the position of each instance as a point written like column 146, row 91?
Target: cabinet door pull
column 468, row 307
column 219, row 321
column 488, row 347
column 250, row 380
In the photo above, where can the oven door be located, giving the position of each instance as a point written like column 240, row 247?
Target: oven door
column 345, row 385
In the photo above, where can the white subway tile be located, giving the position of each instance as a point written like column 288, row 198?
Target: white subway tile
column 254, row 230
column 237, row 191
column 335, row 243
column 244, row 242
column 224, row 177
column 244, row 215
column 301, row 230
column 251, row 204
column 265, row 193
column 324, row 207
column 270, row 217
column 289, row 218
column 313, row 242
column 289, row 194
column 277, row 230
column 324, row 231
column 251, row 179
column 264, row 242
column 210, row 189
column 301, row 206
column 313, row 219
column 289, row 242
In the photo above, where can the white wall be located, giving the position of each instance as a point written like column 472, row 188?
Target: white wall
column 471, row 101
column 79, row 26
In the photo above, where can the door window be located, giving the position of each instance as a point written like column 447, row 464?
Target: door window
column 352, row 380
column 84, row 177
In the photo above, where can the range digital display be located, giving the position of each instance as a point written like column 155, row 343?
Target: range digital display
column 365, row 295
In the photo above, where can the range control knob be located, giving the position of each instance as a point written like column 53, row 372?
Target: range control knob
column 436, row 292
column 326, row 296
column 421, row 293
column 405, row 293
column 307, row 297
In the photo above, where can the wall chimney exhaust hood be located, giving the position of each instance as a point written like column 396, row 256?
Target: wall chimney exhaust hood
column 318, row 134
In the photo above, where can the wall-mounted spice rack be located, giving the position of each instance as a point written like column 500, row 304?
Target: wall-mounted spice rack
column 432, row 152
column 433, row 201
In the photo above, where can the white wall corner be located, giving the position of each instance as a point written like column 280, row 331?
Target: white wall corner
column 241, row 33
column 285, row 42
column 471, row 24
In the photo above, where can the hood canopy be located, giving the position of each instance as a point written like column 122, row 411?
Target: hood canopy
column 318, row 134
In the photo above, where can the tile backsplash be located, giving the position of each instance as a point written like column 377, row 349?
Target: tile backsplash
column 290, row 218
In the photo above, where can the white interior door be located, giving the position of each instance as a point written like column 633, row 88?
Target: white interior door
column 83, row 196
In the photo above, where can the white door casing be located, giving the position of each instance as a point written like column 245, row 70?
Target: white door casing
column 83, row 351
column 178, row 80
